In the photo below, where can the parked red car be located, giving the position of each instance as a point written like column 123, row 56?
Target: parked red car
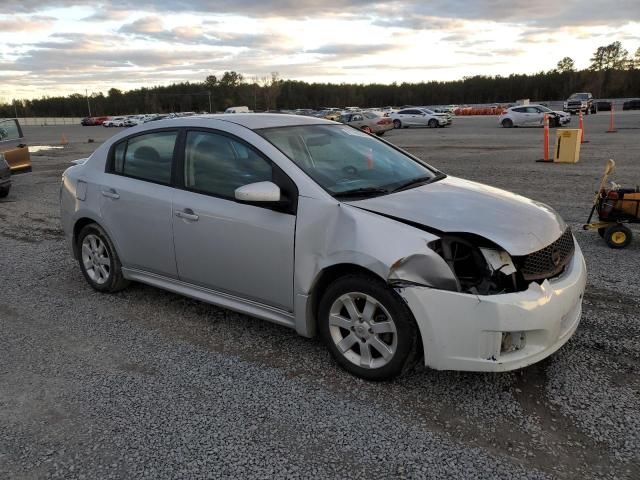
column 92, row 121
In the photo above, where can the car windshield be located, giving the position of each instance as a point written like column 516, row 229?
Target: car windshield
column 579, row 96
column 344, row 160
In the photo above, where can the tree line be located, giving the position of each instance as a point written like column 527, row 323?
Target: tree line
column 612, row 74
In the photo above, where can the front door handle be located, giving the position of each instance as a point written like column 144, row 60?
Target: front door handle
column 187, row 214
column 110, row 193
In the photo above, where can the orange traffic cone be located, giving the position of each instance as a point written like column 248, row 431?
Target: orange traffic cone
column 612, row 128
column 581, row 127
column 545, row 156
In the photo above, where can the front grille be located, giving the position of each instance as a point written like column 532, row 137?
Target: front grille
column 550, row 261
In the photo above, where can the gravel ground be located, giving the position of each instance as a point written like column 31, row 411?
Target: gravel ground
column 149, row 384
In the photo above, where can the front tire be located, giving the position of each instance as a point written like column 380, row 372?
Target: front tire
column 99, row 261
column 4, row 192
column 368, row 329
column 397, row 124
column 433, row 123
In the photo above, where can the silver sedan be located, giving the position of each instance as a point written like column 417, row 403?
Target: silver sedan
column 323, row 228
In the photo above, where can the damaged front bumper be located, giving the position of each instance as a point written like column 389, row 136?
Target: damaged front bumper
column 496, row 333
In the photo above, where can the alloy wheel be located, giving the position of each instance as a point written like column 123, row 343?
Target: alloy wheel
column 95, row 259
column 363, row 330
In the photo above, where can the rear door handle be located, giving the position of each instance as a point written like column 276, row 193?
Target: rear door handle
column 187, row 214
column 110, row 193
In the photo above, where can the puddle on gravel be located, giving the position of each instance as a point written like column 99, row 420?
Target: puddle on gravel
column 40, row 148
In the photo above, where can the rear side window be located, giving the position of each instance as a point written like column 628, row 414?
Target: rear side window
column 147, row 157
column 9, row 130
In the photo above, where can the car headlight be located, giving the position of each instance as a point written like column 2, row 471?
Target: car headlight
column 481, row 267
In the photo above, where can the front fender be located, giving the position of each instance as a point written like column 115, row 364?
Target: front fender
column 330, row 233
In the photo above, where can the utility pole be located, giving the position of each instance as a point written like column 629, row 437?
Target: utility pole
column 86, row 91
column 15, row 107
column 210, row 107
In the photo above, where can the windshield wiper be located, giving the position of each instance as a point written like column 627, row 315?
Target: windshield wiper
column 417, row 182
column 361, row 192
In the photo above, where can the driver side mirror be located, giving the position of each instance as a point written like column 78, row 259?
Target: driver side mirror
column 259, row 192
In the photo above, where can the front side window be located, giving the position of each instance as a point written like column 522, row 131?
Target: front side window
column 217, row 164
column 346, row 161
column 146, row 157
column 9, row 130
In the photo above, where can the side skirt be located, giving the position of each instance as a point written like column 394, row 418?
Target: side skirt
column 225, row 300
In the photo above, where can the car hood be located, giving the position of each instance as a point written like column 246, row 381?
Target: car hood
column 452, row 205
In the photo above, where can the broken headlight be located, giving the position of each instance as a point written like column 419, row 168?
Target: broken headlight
column 481, row 267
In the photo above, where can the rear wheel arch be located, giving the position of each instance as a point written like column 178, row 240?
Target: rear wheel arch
column 83, row 222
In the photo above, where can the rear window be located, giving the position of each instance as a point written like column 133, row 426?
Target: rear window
column 146, row 157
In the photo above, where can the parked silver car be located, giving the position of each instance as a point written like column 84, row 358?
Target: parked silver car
column 323, row 228
column 369, row 122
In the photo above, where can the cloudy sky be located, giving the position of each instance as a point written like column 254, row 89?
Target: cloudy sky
column 65, row 46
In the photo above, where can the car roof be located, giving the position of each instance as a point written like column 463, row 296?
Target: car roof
column 530, row 105
column 255, row 121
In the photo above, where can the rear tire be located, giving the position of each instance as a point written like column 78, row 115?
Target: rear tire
column 368, row 329
column 507, row 123
column 4, row 192
column 380, row 133
column 99, row 260
column 618, row 236
column 397, row 124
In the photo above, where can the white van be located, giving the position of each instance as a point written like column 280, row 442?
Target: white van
column 237, row 110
